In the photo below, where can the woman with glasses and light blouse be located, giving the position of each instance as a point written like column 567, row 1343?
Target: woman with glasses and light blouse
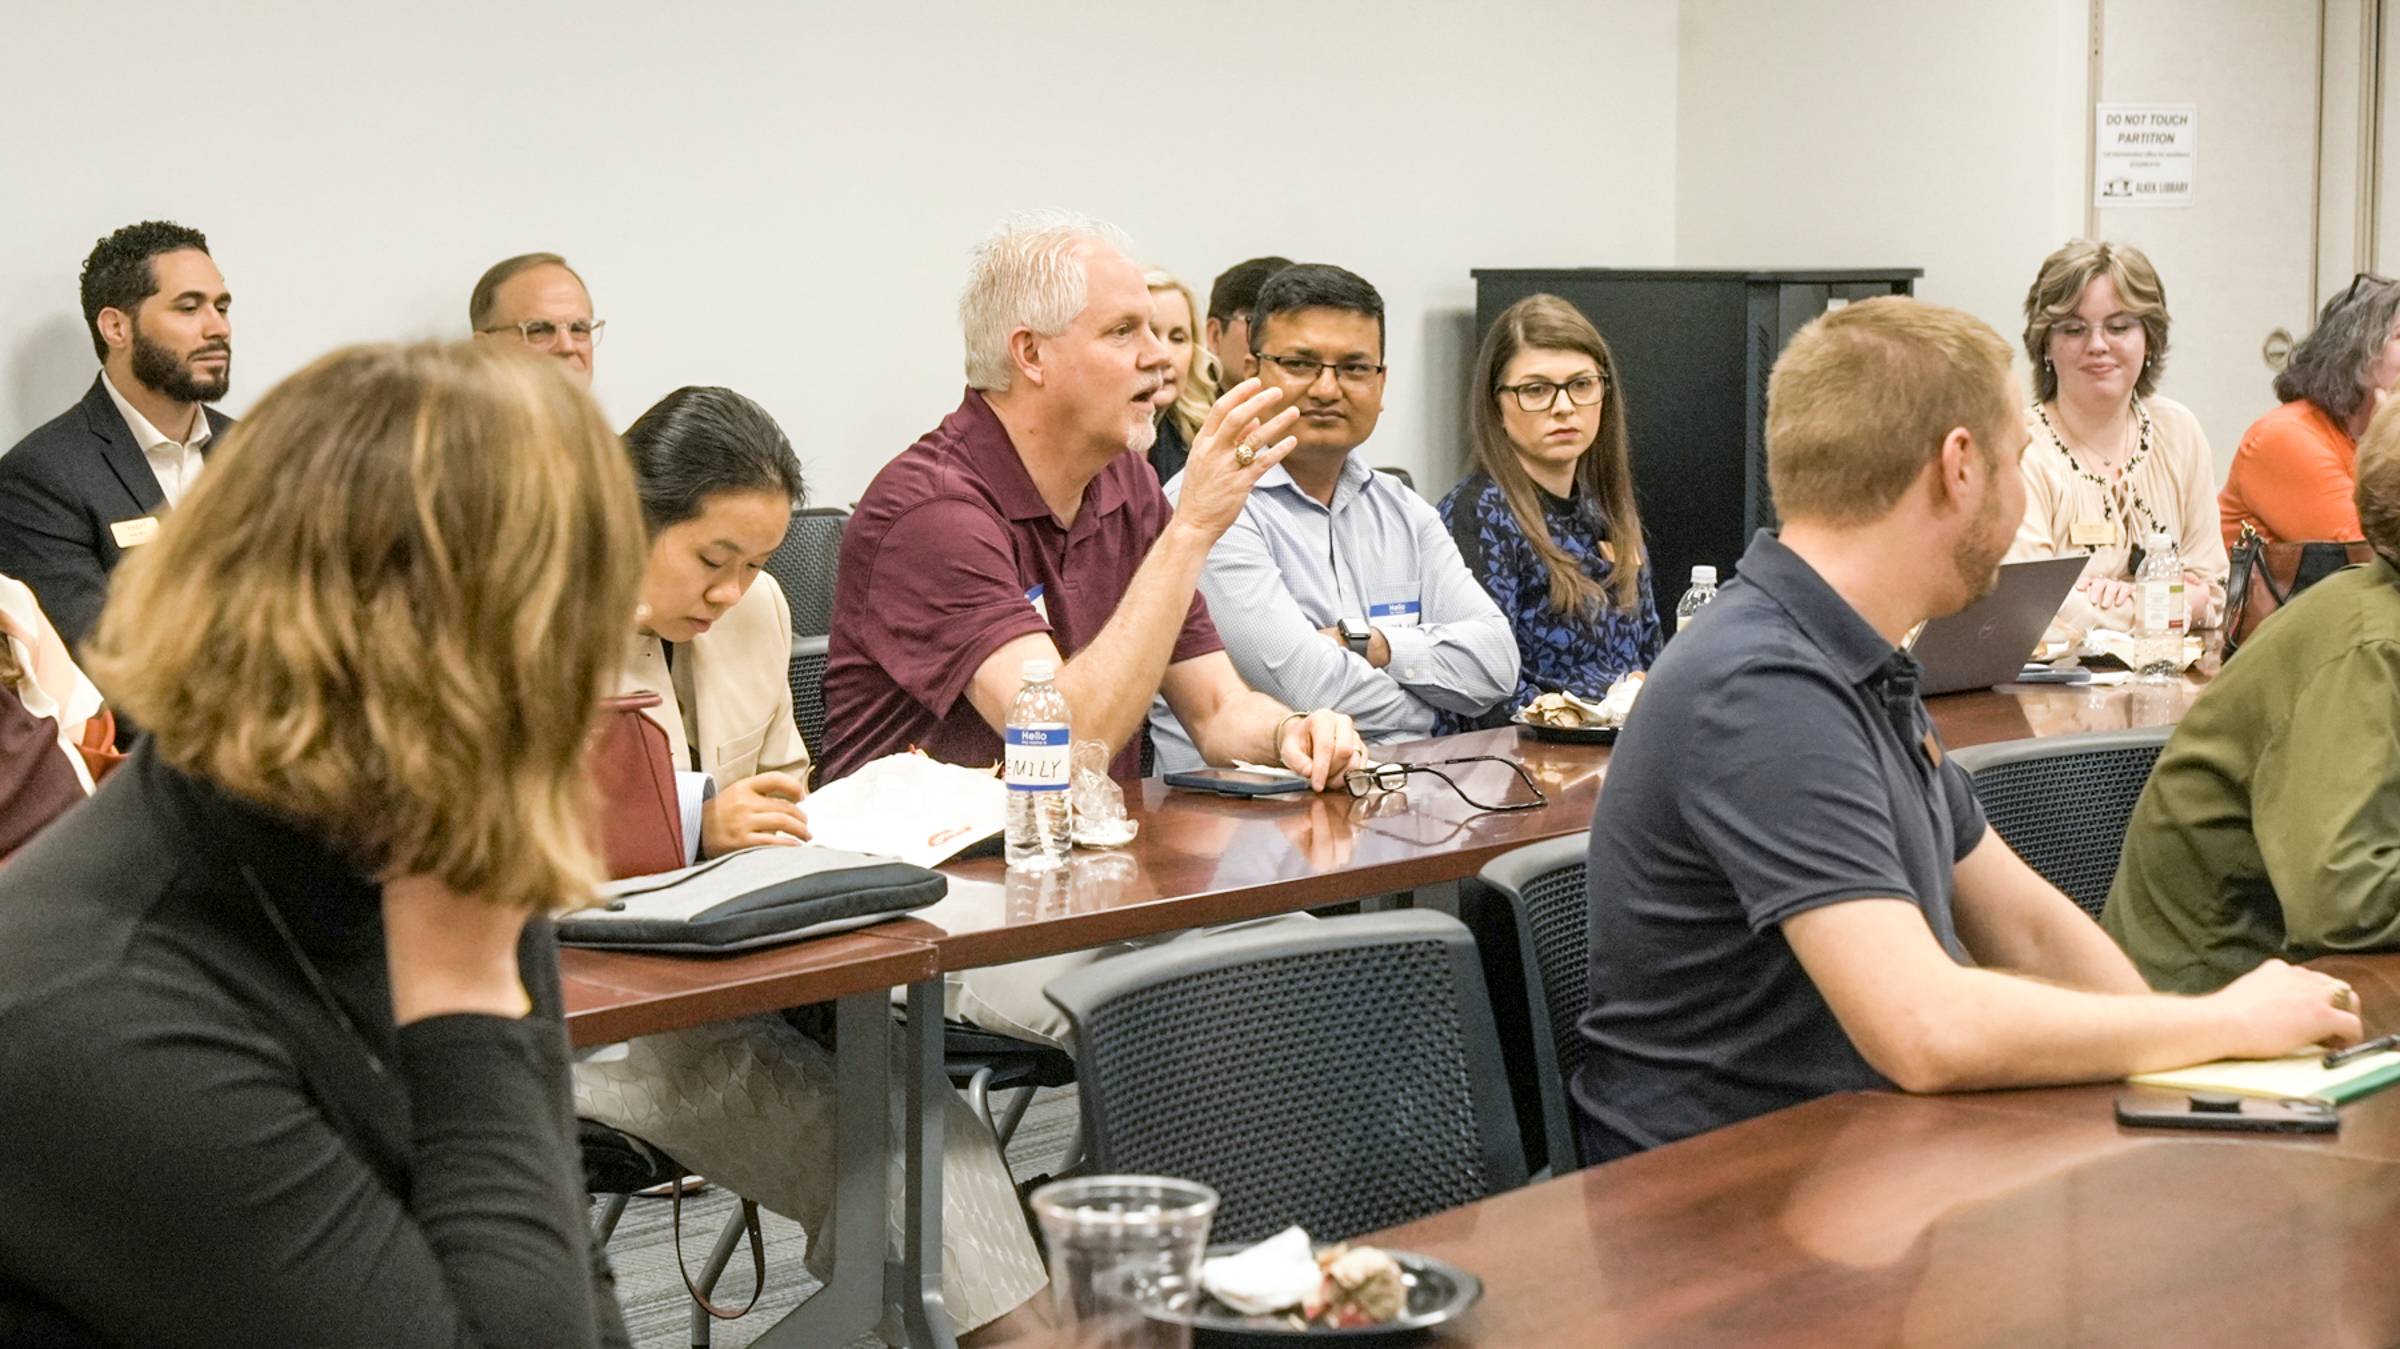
column 2111, row 461
column 1547, row 521
column 2295, row 475
column 1192, row 377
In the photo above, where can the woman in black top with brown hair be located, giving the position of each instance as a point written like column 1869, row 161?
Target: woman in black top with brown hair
column 280, row 1052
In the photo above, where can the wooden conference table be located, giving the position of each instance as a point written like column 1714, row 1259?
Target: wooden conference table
column 1198, row 860
column 2000, row 1218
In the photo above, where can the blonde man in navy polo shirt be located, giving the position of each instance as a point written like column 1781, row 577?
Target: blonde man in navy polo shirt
column 1793, row 889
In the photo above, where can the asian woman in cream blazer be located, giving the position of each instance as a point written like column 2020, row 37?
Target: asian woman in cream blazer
column 750, row 1103
column 724, row 699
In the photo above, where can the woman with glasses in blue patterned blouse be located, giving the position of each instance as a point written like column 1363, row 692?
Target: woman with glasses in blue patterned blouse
column 1547, row 522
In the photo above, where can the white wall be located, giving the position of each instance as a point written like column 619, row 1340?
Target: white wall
column 1947, row 136
column 779, row 196
column 2238, row 261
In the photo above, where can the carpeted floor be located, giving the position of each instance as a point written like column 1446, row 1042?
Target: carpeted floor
column 657, row 1310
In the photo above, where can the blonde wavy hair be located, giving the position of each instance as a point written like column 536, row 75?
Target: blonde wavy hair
column 388, row 611
column 1199, row 390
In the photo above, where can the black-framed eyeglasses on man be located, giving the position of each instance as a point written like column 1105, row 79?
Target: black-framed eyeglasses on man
column 1392, row 777
column 1305, row 369
column 543, row 332
column 1536, row 395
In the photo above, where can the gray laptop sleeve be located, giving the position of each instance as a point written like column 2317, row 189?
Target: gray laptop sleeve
column 755, row 897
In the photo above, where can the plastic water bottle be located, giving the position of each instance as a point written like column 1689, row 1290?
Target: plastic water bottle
column 2159, row 611
column 1037, row 758
column 1704, row 589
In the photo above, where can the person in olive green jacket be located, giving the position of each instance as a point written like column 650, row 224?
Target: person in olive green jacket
column 2271, row 825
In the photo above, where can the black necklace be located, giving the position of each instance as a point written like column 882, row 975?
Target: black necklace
column 308, row 969
column 2121, row 500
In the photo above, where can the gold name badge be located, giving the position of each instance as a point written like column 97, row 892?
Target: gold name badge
column 135, row 532
column 2092, row 533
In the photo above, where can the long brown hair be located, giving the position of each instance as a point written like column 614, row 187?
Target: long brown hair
column 1605, row 472
column 389, row 611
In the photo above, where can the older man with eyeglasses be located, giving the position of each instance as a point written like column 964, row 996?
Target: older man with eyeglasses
column 1338, row 586
column 537, row 299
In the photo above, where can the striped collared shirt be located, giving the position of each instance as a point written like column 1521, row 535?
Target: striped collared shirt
column 1290, row 566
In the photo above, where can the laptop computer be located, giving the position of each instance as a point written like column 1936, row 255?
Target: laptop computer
column 1987, row 642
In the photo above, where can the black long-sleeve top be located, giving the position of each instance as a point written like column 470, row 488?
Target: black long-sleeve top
column 197, row 1148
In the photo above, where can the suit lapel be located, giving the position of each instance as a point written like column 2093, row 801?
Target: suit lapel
column 120, row 453
column 218, row 425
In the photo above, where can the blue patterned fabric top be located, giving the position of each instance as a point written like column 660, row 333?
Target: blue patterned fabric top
column 1583, row 654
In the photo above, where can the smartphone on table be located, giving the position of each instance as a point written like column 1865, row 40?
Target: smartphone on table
column 2239, row 1114
column 1237, row 782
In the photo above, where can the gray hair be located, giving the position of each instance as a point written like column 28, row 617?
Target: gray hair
column 2328, row 364
column 1027, row 273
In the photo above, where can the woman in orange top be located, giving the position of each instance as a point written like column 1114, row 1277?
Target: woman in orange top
column 2296, row 471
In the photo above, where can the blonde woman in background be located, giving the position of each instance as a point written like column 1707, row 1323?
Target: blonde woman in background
column 2111, row 461
column 285, row 1062
column 1192, row 377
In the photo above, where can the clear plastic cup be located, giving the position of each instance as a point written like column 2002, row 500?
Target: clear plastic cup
column 1120, row 1248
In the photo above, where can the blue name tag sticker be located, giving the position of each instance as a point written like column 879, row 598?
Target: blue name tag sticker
column 1035, row 758
column 1395, row 604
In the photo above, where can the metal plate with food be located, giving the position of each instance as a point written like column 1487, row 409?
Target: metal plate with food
column 1564, row 717
column 1436, row 1293
column 1566, row 735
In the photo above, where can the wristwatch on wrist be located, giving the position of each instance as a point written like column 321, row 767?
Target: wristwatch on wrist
column 1356, row 635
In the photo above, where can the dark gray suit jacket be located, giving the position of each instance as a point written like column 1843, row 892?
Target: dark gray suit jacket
column 60, row 490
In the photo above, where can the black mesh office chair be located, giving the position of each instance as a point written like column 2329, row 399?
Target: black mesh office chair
column 1407, row 479
column 2063, row 801
column 806, row 564
column 984, row 1063
column 1531, row 915
column 1342, row 1074
column 808, row 697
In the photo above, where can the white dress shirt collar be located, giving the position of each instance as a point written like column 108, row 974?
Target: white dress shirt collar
column 175, row 463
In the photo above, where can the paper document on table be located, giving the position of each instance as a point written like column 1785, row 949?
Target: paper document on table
column 919, row 810
column 2292, row 1077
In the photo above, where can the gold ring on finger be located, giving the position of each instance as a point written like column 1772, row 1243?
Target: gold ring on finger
column 1245, row 454
column 2345, row 998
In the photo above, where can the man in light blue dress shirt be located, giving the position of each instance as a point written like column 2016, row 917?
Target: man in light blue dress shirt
column 1339, row 587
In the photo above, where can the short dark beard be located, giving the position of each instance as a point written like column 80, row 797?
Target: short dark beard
column 164, row 372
